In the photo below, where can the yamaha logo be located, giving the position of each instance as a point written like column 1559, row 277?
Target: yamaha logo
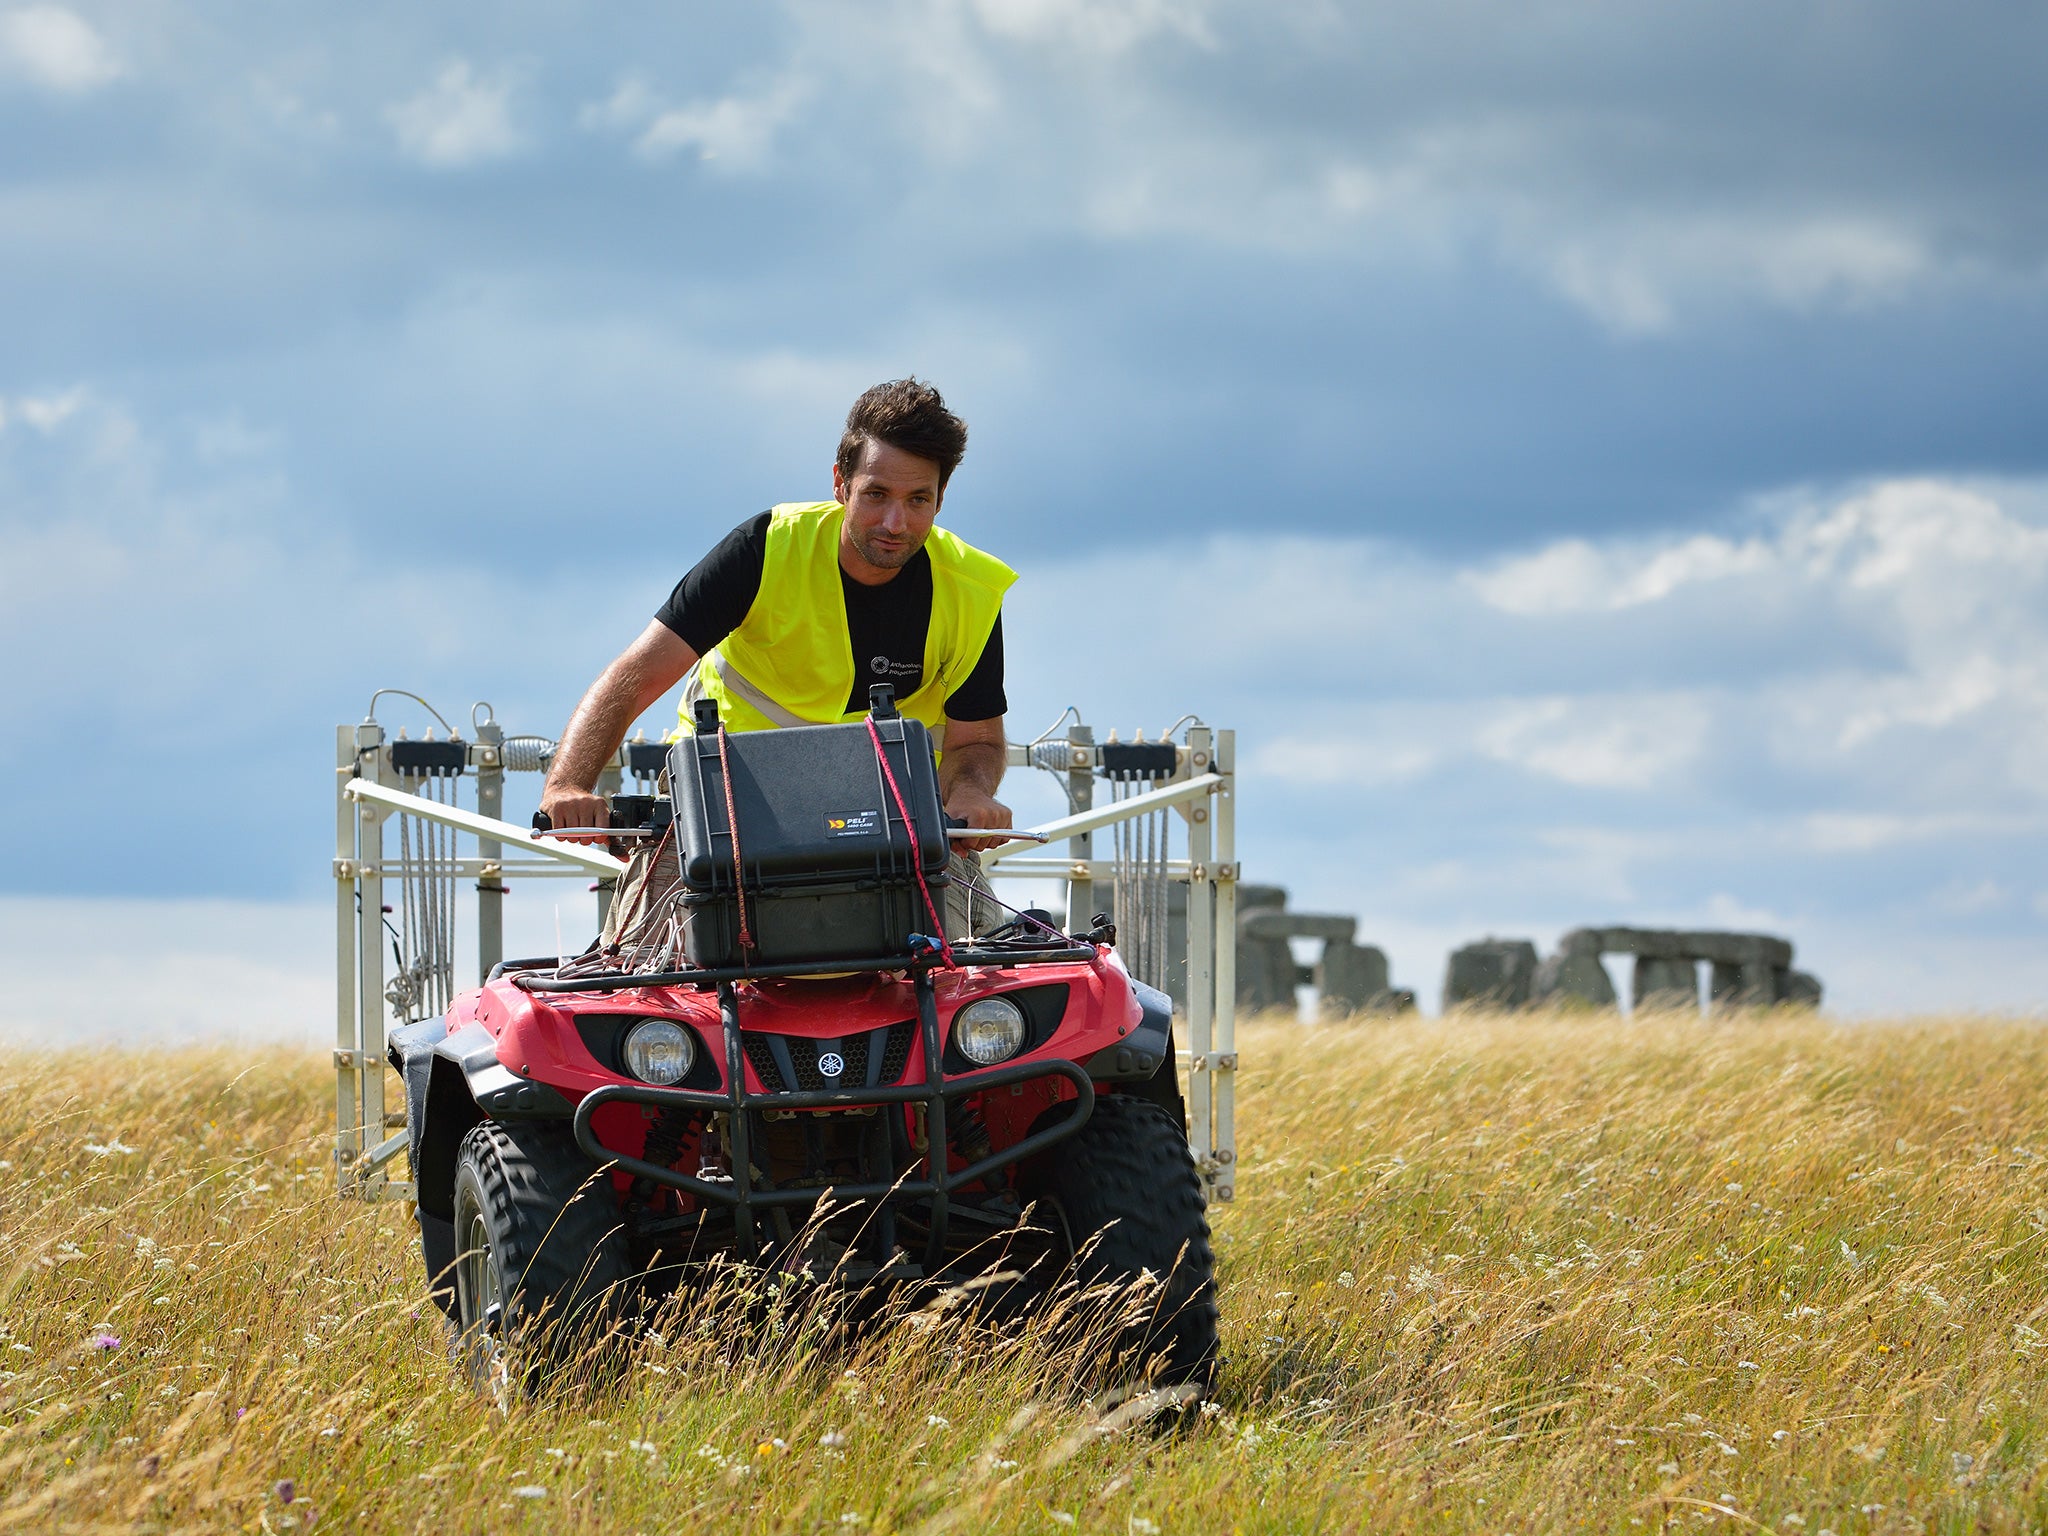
column 831, row 1064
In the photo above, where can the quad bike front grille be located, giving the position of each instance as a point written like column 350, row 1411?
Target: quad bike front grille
column 786, row 1065
column 896, row 1053
column 777, row 1059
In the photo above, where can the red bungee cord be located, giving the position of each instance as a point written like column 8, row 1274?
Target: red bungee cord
column 732, row 821
column 916, row 854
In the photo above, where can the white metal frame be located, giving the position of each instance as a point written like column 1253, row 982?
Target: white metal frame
column 1203, row 789
column 369, row 792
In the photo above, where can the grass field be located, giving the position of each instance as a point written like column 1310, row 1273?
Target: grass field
column 1529, row 1275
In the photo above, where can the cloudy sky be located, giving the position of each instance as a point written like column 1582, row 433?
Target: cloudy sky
column 1593, row 454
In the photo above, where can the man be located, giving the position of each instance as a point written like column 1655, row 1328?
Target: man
column 792, row 617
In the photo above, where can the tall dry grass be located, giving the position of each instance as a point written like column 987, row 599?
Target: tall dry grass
column 1540, row 1274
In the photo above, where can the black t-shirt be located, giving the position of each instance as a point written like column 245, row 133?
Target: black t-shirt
column 887, row 624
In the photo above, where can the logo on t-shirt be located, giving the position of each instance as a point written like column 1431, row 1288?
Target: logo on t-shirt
column 882, row 666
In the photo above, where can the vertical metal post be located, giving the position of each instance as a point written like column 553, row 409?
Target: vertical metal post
column 1201, row 965
column 1223, row 816
column 489, row 760
column 348, row 1138
column 609, row 783
column 739, row 1149
column 1081, row 847
column 368, row 1054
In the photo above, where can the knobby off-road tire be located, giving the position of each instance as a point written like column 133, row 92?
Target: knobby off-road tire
column 1126, row 1181
column 541, row 1254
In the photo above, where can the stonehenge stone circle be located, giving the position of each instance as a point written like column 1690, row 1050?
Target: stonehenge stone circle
column 1350, row 977
column 1744, row 970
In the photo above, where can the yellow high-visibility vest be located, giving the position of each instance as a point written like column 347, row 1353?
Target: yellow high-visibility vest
column 790, row 662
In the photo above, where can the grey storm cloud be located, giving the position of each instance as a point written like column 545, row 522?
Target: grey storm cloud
column 1457, row 398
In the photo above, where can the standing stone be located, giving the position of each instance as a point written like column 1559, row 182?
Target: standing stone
column 1352, row 978
column 1724, row 987
column 1265, row 966
column 1573, row 978
column 1799, row 990
column 1760, row 979
column 1666, row 984
column 1491, row 974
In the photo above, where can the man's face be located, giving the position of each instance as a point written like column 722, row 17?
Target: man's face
column 890, row 501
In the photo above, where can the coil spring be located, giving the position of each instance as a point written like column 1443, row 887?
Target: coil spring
column 971, row 1139
column 528, row 754
column 1052, row 756
column 666, row 1136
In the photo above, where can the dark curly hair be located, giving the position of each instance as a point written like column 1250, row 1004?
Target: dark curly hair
column 907, row 415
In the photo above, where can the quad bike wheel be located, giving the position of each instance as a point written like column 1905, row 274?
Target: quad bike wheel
column 541, row 1255
column 1126, row 1181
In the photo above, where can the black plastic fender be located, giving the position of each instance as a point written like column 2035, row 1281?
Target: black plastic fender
column 1145, row 1049
column 451, row 1083
column 1142, row 1062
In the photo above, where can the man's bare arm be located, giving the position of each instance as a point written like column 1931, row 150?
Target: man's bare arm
column 970, row 773
column 624, row 691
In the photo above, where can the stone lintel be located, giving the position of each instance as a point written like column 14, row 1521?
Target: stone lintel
column 1266, row 923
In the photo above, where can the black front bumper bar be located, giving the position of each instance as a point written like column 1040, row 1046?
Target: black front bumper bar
column 704, row 979
column 746, row 1199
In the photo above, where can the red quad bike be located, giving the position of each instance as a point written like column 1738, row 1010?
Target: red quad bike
column 581, row 1133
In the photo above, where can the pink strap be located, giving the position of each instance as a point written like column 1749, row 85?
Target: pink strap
column 732, row 821
column 916, row 854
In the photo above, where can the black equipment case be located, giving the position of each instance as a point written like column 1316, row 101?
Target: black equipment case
column 827, row 860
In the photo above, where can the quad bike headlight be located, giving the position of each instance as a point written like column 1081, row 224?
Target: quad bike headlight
column 660, row 1052
column 989, row 1030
